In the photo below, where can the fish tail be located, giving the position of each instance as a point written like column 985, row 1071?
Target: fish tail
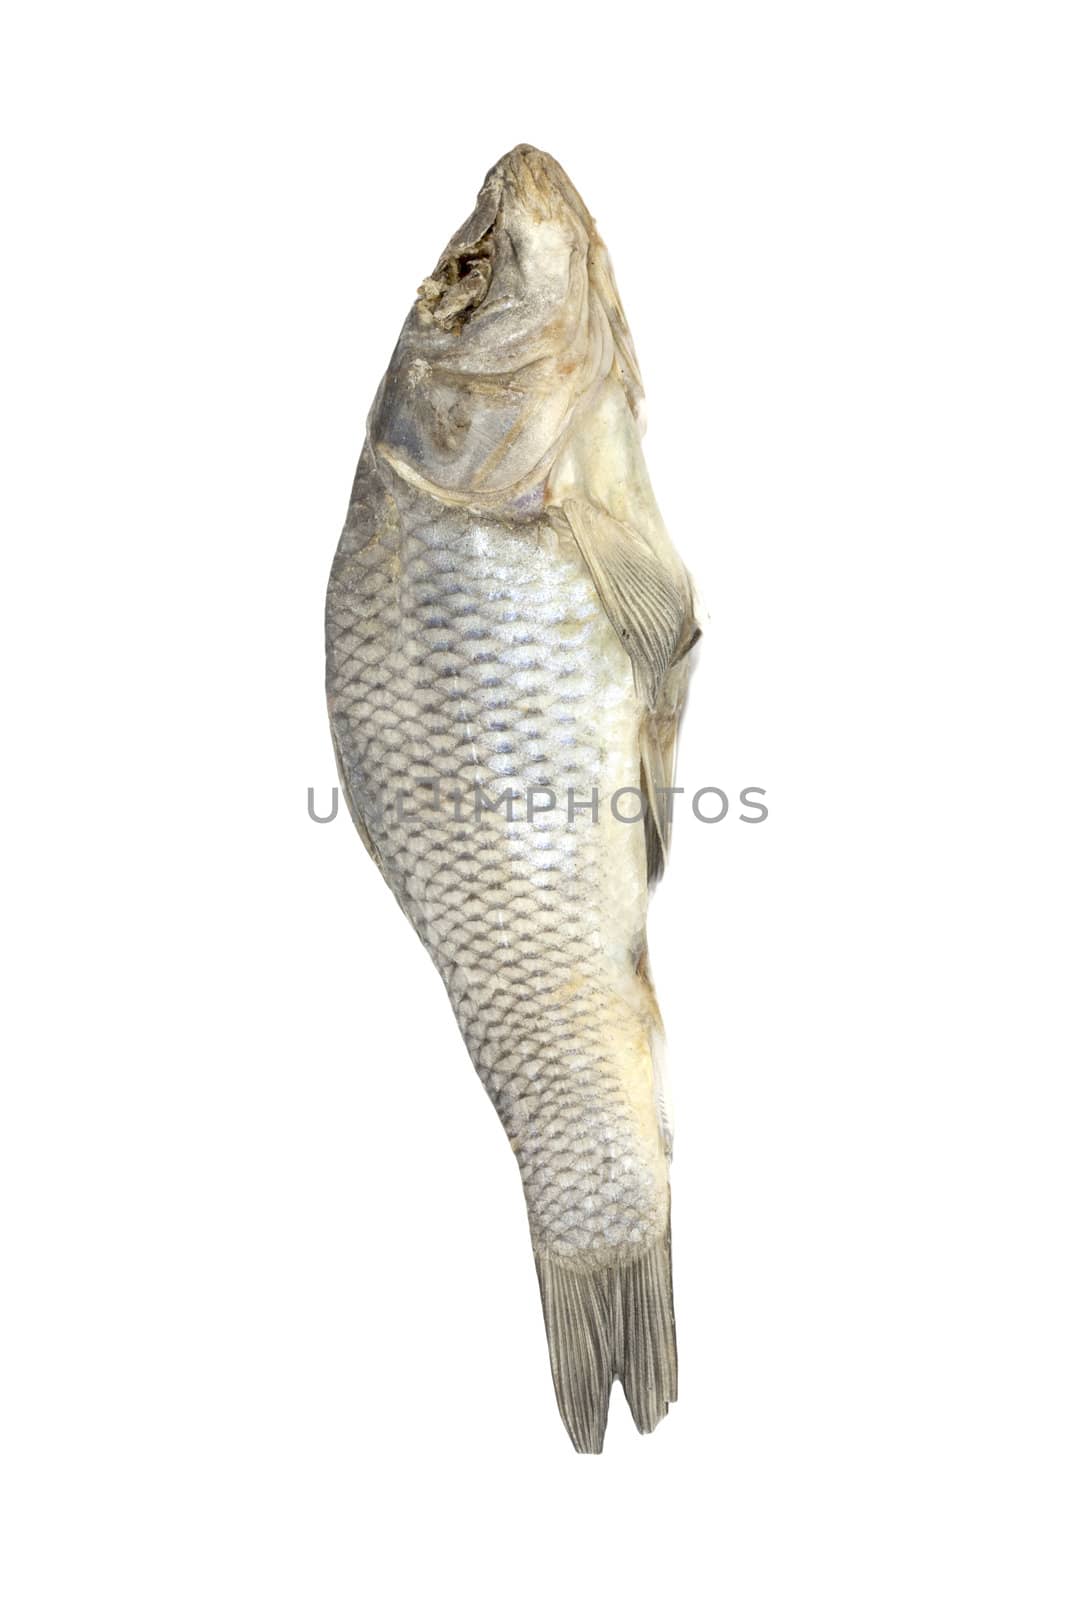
column 609, row 1322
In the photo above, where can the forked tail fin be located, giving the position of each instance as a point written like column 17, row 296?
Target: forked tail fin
column 610, row 1322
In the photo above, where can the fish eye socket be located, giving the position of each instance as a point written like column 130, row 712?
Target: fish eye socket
column 468, row 261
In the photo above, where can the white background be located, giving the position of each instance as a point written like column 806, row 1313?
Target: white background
column 271, row 1324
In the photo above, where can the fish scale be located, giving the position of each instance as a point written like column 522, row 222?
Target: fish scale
column 520, row 920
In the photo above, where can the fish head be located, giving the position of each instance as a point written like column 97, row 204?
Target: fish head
column 517, row 326
column 538, row 240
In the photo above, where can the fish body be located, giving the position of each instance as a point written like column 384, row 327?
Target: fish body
column 506, row 617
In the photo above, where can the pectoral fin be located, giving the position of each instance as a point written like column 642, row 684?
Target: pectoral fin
column 650, row 605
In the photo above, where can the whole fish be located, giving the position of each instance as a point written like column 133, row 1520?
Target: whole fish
column 508, row 649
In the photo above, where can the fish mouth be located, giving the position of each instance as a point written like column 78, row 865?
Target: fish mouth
column 525, row 189
column 534, row 181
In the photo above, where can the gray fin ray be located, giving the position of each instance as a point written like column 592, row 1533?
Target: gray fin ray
column 605, row 1323
column 658, row 740
column 650, row 605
